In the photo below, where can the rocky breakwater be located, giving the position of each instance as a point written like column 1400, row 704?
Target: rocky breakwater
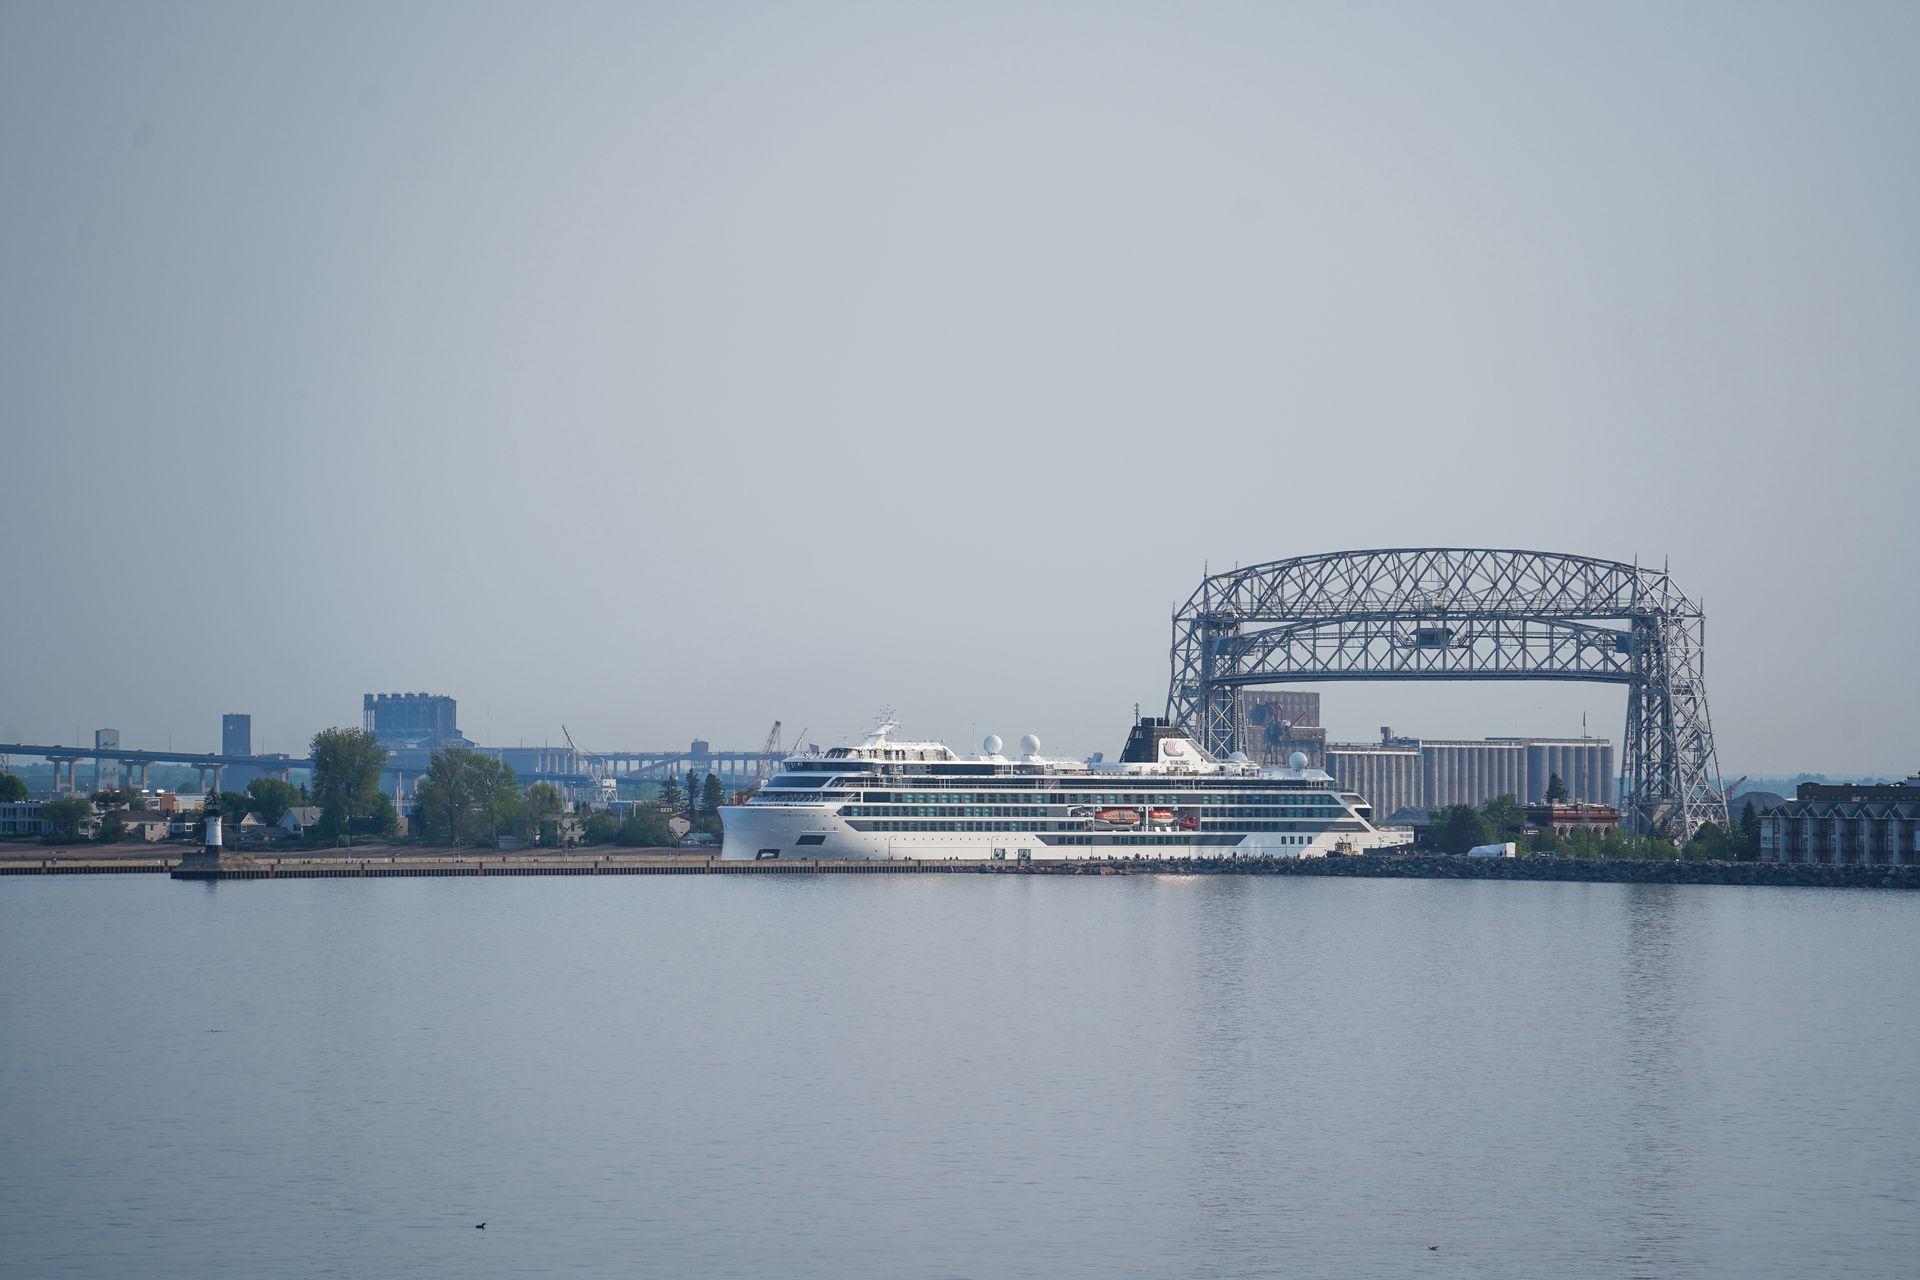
column 1584, row 870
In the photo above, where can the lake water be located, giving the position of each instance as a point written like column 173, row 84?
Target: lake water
column 956, row 1076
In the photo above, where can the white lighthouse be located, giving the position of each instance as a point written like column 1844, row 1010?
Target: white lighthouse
column 210, row 861
column 211, row 844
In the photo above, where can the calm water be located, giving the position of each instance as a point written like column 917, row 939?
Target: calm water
column 881, row 1077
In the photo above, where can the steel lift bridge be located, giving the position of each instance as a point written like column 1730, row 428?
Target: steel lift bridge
column 1454, row 613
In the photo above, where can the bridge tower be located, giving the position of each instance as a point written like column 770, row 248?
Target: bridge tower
column 1452, row 613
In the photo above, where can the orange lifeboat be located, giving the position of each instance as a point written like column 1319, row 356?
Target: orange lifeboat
column 1160, row 815
column 1118, row 817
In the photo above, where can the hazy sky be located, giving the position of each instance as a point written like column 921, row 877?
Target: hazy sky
column 664, row 370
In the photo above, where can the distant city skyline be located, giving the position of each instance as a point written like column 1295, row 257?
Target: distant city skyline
column 664, row 372
column 1445, row 701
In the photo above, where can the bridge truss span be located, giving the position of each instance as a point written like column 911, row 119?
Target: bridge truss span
column 1451, row 613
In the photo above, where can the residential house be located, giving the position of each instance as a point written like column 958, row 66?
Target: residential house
column 149, row 827
column 297, row 821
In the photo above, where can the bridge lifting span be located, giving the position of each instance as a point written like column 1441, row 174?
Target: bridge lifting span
column 1453, row 613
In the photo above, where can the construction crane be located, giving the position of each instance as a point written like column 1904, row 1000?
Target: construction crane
column 769, row 756
column 1733, row 791
column 605, row 789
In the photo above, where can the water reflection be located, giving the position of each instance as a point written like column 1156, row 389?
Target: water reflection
column 1653, row 965
column 1228, row 1184
column 873, row 1076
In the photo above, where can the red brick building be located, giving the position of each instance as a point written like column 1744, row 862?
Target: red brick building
column 1567, row 817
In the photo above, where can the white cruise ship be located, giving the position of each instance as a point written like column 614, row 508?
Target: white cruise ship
column 1164, row 797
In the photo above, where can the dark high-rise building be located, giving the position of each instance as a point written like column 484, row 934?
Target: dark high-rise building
column 412, row 719
column 236, row 735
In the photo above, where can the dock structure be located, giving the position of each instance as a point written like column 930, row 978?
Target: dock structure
column 342, row 868
column 195, row 866
column 662, row 863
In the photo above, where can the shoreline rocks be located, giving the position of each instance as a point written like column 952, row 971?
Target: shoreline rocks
column 1813, row 875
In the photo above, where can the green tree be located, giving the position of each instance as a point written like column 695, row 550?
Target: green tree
column 501, row 803
column 13, row 788
column 542, row 804
column 645, row 828
column 712, row 796
column 69, row 816
column 1505, row 816
column 384, row 820
column 1556, row 789
column 235, row 805
column 445, row 798
column 346, row 778
column 271, row 798
column 466, row 796
column 671, row 797
column 1459, row 828
column 1712, row 844
column 112, row 829
column 599, row 828
column 1749, row 850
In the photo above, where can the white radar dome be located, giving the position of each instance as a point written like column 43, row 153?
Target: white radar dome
column 1029, row 745
column 992, row 745
column 1238, row 757
column 1298, row 760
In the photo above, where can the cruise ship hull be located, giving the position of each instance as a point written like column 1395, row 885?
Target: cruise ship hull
column 1164, row 797
column 815, row 831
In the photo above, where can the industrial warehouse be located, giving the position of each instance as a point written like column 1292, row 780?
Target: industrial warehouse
column 1409, row 775
column 1421, row 774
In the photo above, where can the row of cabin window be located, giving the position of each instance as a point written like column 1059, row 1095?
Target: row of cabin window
column 1060, row 826
column 1317, row 804
column 1167, row 838
column 966, row 775
column 1017, row 783
column 1219, row 814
